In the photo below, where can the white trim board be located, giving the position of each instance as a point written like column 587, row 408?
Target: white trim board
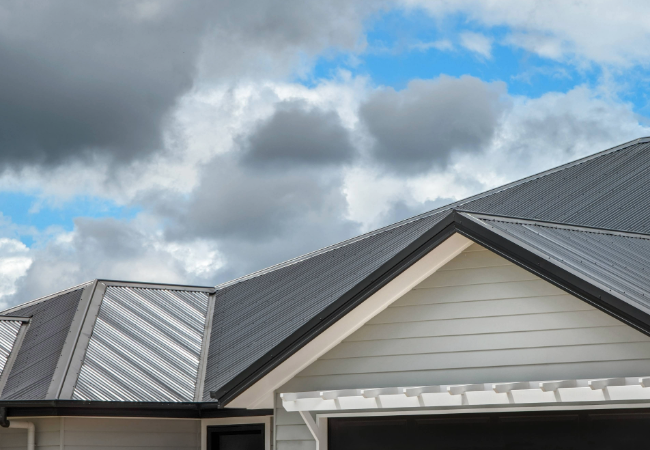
column 260, row 395
column 472, row 395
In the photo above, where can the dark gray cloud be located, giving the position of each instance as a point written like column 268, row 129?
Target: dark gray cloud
column 297, row 135
column 84, row 79
column 234, row 202
column 420, row 127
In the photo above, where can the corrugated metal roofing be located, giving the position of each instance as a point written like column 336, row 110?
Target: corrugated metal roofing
column 34, row 366
column 255, row 313
column 609, row 191
column 253, row 316
column 8, row 332
column 619, row 262
column 145, row 346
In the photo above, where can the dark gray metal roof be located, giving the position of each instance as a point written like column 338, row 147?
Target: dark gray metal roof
column 254, row 315
column 34, row 367
column 618, row 262
column 609, row 191
column 257, row 312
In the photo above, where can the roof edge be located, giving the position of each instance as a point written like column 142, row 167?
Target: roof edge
column 549, row 224
column 439, row 210
column 46, row 297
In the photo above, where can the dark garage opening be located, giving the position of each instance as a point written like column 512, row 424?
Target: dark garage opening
column 236, row 437
column 611, row 430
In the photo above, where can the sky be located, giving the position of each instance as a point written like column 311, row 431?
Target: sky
column 197, row 141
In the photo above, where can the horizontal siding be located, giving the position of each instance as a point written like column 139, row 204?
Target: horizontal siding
column 113, row 434
column 480, row 319
column 47, row 435
column 291, row 433
column 107, row 434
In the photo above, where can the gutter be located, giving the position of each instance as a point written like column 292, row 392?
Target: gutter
column 29, row 426
column 190, row 410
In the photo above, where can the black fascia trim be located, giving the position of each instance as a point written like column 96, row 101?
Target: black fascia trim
column 34, row 408
column 554, row 274
column 330, row 315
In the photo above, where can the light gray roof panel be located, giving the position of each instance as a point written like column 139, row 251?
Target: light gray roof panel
column 8, row 333
column 619, row 262
column 145, row 346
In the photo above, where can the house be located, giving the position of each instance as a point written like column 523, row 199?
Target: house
column 517, row 318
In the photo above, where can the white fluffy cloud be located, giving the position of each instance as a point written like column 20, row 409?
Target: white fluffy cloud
column 613, row 32
column 15, row 260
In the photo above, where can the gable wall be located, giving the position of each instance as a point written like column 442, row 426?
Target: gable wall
column 478, row 319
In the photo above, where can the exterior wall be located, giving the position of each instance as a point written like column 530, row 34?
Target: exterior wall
column 77, row 433
column 478, row 319
column 47, row 435
column 290, row 432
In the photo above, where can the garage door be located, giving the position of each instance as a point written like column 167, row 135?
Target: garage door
column 611, row 430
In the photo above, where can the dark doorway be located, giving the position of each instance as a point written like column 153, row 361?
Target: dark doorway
column 236, row 437
column 597, row 430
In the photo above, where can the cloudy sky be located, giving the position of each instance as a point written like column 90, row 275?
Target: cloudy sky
column 193, row 142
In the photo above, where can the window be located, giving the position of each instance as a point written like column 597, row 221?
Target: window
column 236, row 437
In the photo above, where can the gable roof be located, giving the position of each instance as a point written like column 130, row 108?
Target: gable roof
column 557, row 224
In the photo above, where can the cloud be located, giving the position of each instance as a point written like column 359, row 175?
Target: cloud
column 82, row 81
column 298, row 135
column 113, row 249
column 14, row 263
column 424, row 125
column 477, row 43
column 608, row 32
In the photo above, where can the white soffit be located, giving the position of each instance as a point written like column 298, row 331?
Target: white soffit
column 260, row 395
column 519, row 393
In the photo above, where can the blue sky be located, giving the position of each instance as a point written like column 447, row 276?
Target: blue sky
column 123, row 129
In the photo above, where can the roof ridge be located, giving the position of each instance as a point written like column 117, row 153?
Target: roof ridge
column 558, row 225
column 427, row 214
column 45, row 297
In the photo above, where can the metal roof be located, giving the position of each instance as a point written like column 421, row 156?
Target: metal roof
column 146, row 346
column 8, row 333
column 619, row 262
column 39, row 354
column 165, row 337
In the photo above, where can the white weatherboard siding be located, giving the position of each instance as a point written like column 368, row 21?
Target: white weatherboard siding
column 478, row 319
column 77, row 433
column 47, row 435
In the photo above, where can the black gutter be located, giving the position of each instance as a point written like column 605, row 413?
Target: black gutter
column 191, row 410
column 452, row 223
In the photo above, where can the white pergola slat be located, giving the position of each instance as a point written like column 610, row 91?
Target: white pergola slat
column 525, row 393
